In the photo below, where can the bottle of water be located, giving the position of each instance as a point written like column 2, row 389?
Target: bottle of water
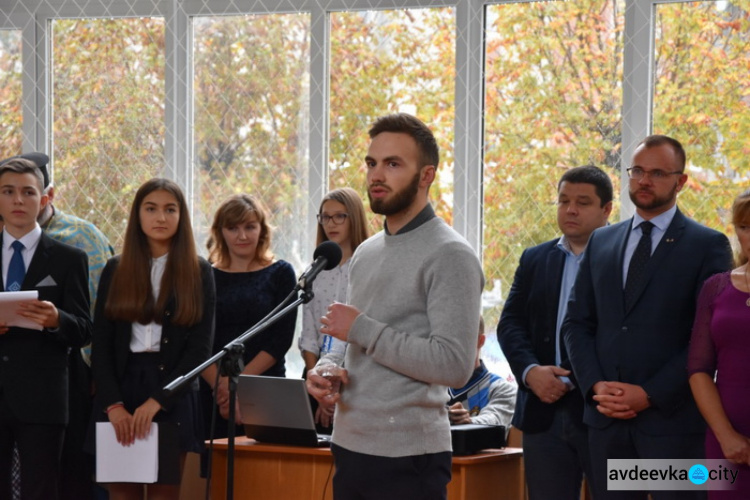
column 331, row 358
column 333, row 350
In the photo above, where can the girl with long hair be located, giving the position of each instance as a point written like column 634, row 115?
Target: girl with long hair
column 341, row 219
column 153, row 322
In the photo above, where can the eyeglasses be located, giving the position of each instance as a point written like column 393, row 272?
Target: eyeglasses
column 637, row 173
column 337, row 219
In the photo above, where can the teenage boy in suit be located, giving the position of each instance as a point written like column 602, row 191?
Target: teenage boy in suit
column 33, row 361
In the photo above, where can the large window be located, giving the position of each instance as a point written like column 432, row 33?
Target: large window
column 702, row 98
column 553, row 101
column 385, row 62
column 251, row 119
column 11, row 114
column 275, row 99
column 108, row 115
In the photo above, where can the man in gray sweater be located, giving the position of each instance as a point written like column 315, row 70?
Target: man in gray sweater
column 411, row 323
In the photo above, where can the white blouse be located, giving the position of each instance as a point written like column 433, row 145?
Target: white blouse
column 147, row 338
column 328, row 287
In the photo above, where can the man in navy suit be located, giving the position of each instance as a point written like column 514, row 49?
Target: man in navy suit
column 34, row 359
column 629, row 321
column 549, row 406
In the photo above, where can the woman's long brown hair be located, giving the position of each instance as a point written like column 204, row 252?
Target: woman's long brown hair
column 130, row 296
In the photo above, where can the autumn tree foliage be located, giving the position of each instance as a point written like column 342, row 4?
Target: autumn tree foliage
column 553, row 101
column 108, row 126
column 251, row 117
column 10, row 93
column 385, row 62
column 702, row 97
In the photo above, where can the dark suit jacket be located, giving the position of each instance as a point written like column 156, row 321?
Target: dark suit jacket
column 526, row 331
column 181, row 348
column 34, row 364
column 646, row 345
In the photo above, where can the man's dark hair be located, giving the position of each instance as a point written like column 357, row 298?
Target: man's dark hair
column 589, row 174
column 403, row 123
column 653, row 141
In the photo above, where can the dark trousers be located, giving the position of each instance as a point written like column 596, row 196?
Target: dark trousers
column 556, row 460
column 39, row 448
column 368, row 477
column 623, row 440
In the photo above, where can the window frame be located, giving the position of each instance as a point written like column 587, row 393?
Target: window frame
column 35, row 23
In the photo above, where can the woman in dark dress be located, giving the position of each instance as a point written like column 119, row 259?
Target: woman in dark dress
column 249, row 285
column 720, row 347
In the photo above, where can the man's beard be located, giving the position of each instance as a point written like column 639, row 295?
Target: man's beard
column 656, row 202
column 399, row 202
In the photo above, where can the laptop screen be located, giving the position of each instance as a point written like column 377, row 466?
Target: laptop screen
column 277, row 410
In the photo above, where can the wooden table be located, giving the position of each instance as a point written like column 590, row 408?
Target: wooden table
column 489, row 474
column 278, row 472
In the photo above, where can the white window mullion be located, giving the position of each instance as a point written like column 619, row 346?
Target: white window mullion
column 469, row 122
column 320, row 53
column 637, row 87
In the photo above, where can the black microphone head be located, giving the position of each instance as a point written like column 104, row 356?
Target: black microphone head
column 330, row 251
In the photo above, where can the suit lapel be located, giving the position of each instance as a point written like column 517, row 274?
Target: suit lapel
column 554, row 273
column 671, row 236
column 611, row 241
column 617, row 243
column 38, row 268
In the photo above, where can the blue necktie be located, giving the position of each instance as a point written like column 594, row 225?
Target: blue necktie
column 16, row 268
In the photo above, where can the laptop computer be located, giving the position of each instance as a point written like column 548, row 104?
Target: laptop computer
column 277, row 410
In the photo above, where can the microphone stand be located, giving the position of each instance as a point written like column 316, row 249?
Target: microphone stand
column 231, row 366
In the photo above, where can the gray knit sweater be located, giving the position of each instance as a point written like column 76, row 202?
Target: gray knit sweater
column 419, row 294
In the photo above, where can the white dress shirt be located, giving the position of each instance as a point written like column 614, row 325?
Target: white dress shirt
column 147, row 338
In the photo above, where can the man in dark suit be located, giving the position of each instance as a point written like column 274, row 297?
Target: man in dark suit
column 549, row 406
column 630, row 316
column 33, row 359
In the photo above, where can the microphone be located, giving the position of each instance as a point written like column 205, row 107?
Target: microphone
column 326, row 256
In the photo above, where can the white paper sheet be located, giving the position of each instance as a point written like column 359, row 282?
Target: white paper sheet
column 9, row 303
column 115, row 463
